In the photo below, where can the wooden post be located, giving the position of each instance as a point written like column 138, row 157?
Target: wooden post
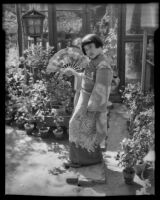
column 35, row 40
column 85, row 22
column 144, row 60
column 120, row 45
column 52, row 26
column 20, row 39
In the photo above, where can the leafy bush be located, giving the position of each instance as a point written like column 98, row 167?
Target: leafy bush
column 60, row 90
column 36, row 60
column 25, row 102
column 136, row 101
column 141, row 125
column 127, row 158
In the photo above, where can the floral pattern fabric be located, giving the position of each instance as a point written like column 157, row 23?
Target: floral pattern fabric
column 88, row 125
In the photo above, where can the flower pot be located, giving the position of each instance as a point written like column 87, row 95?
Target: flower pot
column 148, row 172
column 39, row 124
column 128, row 174
column 29, row 128
column 44, row 132
column 49, row 120
column 20, row 125
column 8, row 120
column 139, row 168
column 58, row 134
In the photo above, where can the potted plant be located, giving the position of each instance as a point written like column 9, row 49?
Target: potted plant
column 127, row 159
column 58, row 132
column 9, row 116
column 8, row 119
column 30, row 124
column 44, row 132
column 20, row 119
column 29, row 128
column 43, row 129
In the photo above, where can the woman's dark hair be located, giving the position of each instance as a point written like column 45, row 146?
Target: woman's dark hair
column 91, row 38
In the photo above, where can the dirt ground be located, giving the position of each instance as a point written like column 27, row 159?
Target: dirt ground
column 34, row 166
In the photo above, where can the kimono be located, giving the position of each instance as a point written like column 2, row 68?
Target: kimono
column 88, row 124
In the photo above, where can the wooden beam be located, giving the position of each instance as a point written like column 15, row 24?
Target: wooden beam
column 52, row 26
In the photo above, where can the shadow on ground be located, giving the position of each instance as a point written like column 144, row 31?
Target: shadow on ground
column 34, row 165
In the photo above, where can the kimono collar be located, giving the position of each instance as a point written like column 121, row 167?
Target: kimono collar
column 95, row 61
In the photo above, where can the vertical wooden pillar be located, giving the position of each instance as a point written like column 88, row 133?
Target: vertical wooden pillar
column 20, row 31
column 121, row 43
column 144, row 60
column 52, row 26
column 85, row 23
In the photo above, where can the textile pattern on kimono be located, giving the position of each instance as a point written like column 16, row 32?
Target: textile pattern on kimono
column 88, row 124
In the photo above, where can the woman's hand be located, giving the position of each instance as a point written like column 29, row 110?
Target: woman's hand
column 69, row 71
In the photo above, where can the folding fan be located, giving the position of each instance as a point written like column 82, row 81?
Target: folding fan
column 69, row 57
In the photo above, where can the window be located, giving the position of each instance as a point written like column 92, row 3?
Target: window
column 133, row 19
column 133, row 62
column 69, row 26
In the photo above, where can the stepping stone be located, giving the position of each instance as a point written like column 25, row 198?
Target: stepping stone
column 90, row 175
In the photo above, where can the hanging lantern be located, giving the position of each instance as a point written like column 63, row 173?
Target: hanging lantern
column 33, row 23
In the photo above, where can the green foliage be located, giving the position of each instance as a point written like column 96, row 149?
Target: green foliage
column 37, row 57
column 106, row 28
column 60, row 90
column 127, row 158
column 136, row 101
column 29, row 101
column 140, row 127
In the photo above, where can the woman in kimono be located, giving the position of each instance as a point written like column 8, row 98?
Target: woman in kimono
column 88, row 124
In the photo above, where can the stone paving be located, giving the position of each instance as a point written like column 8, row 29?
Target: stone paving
column 34, row 166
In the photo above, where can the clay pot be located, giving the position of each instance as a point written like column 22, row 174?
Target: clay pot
column 29, row 128
column 44, row 132
column 58, row 134
column 129, row 174
column 8, row 120
column 20, row 125
column 49, row 120
column 139, row 168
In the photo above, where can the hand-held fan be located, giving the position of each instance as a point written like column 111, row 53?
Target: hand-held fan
column 69, row 57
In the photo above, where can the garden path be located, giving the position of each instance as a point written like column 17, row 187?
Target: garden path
column 34, row 166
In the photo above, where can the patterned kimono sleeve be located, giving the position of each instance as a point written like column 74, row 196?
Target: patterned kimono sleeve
column 100, row 93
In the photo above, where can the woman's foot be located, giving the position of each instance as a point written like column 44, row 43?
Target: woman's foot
column 69, row 164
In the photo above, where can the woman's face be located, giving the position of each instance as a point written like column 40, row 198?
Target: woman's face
column 91, row 50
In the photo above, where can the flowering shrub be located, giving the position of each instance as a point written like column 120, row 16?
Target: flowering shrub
column 136, row 101
column 141, row 125
column 31, row 102
column 60, row 90
column 110, row 45
column 127, row 158
column 36, row 60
